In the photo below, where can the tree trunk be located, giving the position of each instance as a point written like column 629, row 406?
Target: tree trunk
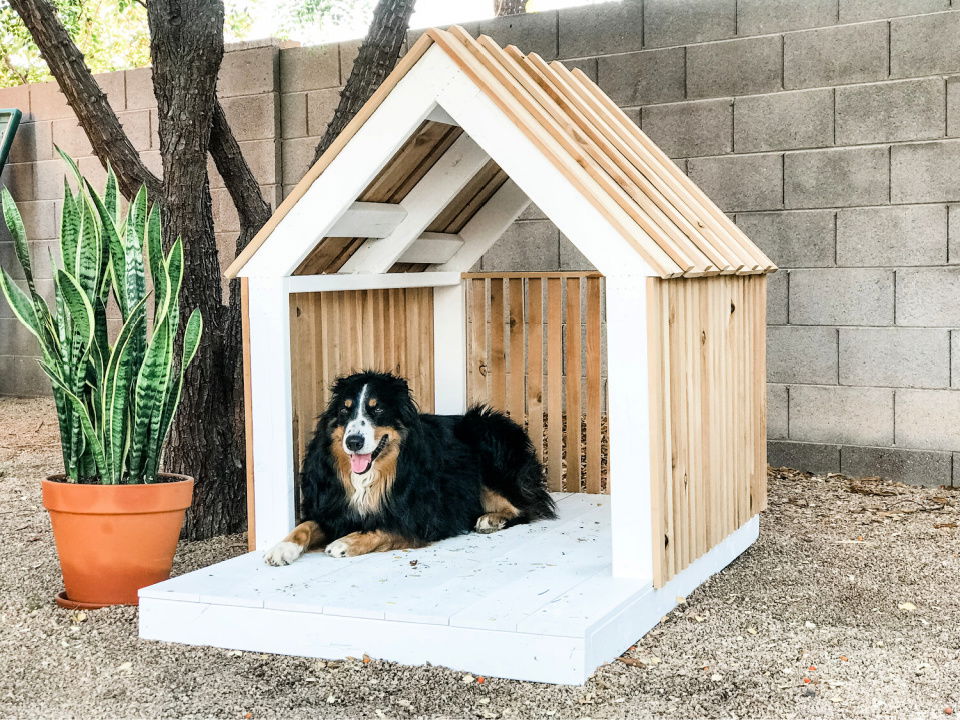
column 509, row 7
column 377, row 57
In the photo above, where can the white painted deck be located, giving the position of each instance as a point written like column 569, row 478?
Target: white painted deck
column 535, row 602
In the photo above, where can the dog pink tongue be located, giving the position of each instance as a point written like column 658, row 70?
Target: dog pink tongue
column 360, row 463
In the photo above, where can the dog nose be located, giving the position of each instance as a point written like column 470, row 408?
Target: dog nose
column 354, row 442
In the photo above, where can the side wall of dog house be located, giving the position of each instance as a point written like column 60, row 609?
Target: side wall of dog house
column 708, row 413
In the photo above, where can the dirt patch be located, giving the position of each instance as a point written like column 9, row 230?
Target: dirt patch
column 847, row 606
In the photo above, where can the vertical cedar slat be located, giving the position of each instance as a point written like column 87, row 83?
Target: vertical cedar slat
column 477, row 354
column 574, row 377
column 760, row 380
column 666, row 476
column 517, row 366
column 554, row 383
column 691, row 353
column 497, row 366
column 657, row 395
column 535, row 363
column 594, row 386
column 678, row 427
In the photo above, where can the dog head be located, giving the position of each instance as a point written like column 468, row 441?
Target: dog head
column 369, row 415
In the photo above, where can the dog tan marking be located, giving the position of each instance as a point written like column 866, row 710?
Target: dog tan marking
column 343, row 460
column 372, row 403
column 361, row 543
column 305, row 536
column 498, row 511
column 348, row 403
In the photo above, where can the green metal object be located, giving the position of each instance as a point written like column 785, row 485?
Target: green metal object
column 9, row 122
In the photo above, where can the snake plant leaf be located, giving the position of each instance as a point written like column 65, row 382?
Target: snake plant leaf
column 79, row 307
column 133, row 247
column 149, row 394
column 21, row 305
column 154, row 242
column 69, row 228
column 74, row 170
column 11, row 216
column 89, row 432
column 111, row 193
column 88, row 264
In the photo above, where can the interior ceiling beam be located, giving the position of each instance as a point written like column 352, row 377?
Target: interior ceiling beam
column 368, row 220
column 432, row 248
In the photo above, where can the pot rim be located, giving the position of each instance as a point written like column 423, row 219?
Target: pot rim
column 60, row 479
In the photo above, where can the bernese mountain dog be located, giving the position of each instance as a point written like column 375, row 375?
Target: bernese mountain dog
column 379, row 475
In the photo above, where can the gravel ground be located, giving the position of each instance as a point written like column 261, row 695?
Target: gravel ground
column 848, row 606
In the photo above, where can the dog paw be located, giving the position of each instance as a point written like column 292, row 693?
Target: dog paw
column 339, row 548
column 491, row 522
column 283, row 553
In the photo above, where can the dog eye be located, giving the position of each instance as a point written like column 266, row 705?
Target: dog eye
column 377, row 411
column 343, row 412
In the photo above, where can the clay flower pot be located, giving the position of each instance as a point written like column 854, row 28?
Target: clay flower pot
column 115, row 539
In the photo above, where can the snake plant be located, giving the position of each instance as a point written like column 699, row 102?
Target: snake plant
column 115, row 400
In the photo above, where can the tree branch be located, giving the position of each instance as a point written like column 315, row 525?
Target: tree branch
column 88, row 102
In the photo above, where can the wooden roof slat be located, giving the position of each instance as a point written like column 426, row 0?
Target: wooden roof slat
column 422, row 149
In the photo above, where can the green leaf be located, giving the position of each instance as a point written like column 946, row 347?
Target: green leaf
column 133, row 247
column 74, row 170
column 21, row 305
column 11, row 215
column 90, row 434
column 158, row 275
column 110, row 193
column 69, row 228
column 88, row 266
column 81, row 311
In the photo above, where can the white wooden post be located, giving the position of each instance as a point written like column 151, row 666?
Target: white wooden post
column 449, row 350
column 629, row 427
column 273, row 462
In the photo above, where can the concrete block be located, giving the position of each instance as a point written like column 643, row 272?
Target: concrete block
column 309, row 68
column 293, row 115
column 835, row 56
column 22, row 377
column 783, row 121
column 895, row 357
column 139, row 89
column 777, row 403
column 263, row 157
column 19, row 179
column 955, row 358
column 841, row 296
column 225, row 216
column 688, row 129
column 914, row 467
column 136, row 125
column 953, row 106
column 802, row 354
column 348, row 54
column 891, row 111
column 742, row 182
column 953, row 234
column 928, row 297
column 642, row 78
column 249, row 72
column 48, row 103
column 859, row 10
column 587, row 66
column 296, row 156
column 808, row 457
column 70, row 137
column 17, row 97
column 667, row 22
column 92, row 169
column 114, row 86
column 928, row 419
column 533, row 245
column 924, row 45
column 321, row 105
column 777, row 298
column 925, row 172
column 758, row 17
column 33, row 141
column 604, row 29
column 531, row 32
column 154, row 129
column 571, row 258
column 40, row 220
column 896, row 235
column 48, row 180
column 843, row 415
column 15, row 339
column 735, row 67
column 532, row 212
column 40, row 257
column 253, row 117
column 793, row 238
column 153, row 162
column 836, row 177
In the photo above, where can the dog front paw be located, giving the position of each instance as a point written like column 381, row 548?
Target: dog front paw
column 339, row 548
column 283, row 553
column 491, row 522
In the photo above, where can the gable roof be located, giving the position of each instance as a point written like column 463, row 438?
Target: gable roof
column 657, row 209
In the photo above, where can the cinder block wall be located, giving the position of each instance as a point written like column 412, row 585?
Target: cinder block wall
column 823, row 127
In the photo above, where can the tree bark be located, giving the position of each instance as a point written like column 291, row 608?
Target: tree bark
column 377, row 57
column 509, row 7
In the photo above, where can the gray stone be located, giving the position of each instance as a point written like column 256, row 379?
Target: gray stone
column 249, row 72
column 571, row 258
column 531, row 32
column 953, row 106
column 777, row 403
column 642, row 78
column 793, row 238
column 139, row 89
column 783, row 121
column 925, row 172
column 808, row 457
column 928, row 419
column 802, row 354
column 19, row 179
column 668, row 22
column 955, row 358
column 309, row 68
column 928, row 297
column 293, row 115
column 895, row 357
column 858, row 10
column 40, row 220
column 845, row 415
column 834, row 56
column 924, row 45
column 741, row 182
column 263, row 157
column 321, row 105
column 48, row 103
column 907, row 466
column 896, row 235
column 253, row 117
column 601, row 29
column 532, row 212
column 533, row 245
column 777, row 298
column 841, row 296
column 15, row 339
column 348, row 51
column 891, row 111
column 953, row 234
column 33, row 141
column 92, row 169
column 113, row 85
column 70, row 137
column 836, row 177
column 296, row 156
column 757, row 17
column 735, row 67
column 588, row 66
column 22, row 377
column 688, row 129
column 136, row 125
column 48, row 180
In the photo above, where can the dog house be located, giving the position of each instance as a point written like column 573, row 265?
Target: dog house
column 641, row 384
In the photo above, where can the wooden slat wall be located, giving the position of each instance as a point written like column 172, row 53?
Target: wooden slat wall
column 527, row 356
column 336, row 333
column 708, row 409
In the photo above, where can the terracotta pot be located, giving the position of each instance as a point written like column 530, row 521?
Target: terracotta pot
column 115, row 539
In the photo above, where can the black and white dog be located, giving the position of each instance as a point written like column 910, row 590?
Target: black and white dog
column 379, row 475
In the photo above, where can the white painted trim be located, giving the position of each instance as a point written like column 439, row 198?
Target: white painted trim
column 368, row 220
column 450, row 350
column 333, row 281
column 440, row 115
column 272, row 416
column 629, row 426
column 432, row 248
column 458, row 165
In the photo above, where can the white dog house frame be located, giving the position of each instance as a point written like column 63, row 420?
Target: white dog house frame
column 379, row 234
